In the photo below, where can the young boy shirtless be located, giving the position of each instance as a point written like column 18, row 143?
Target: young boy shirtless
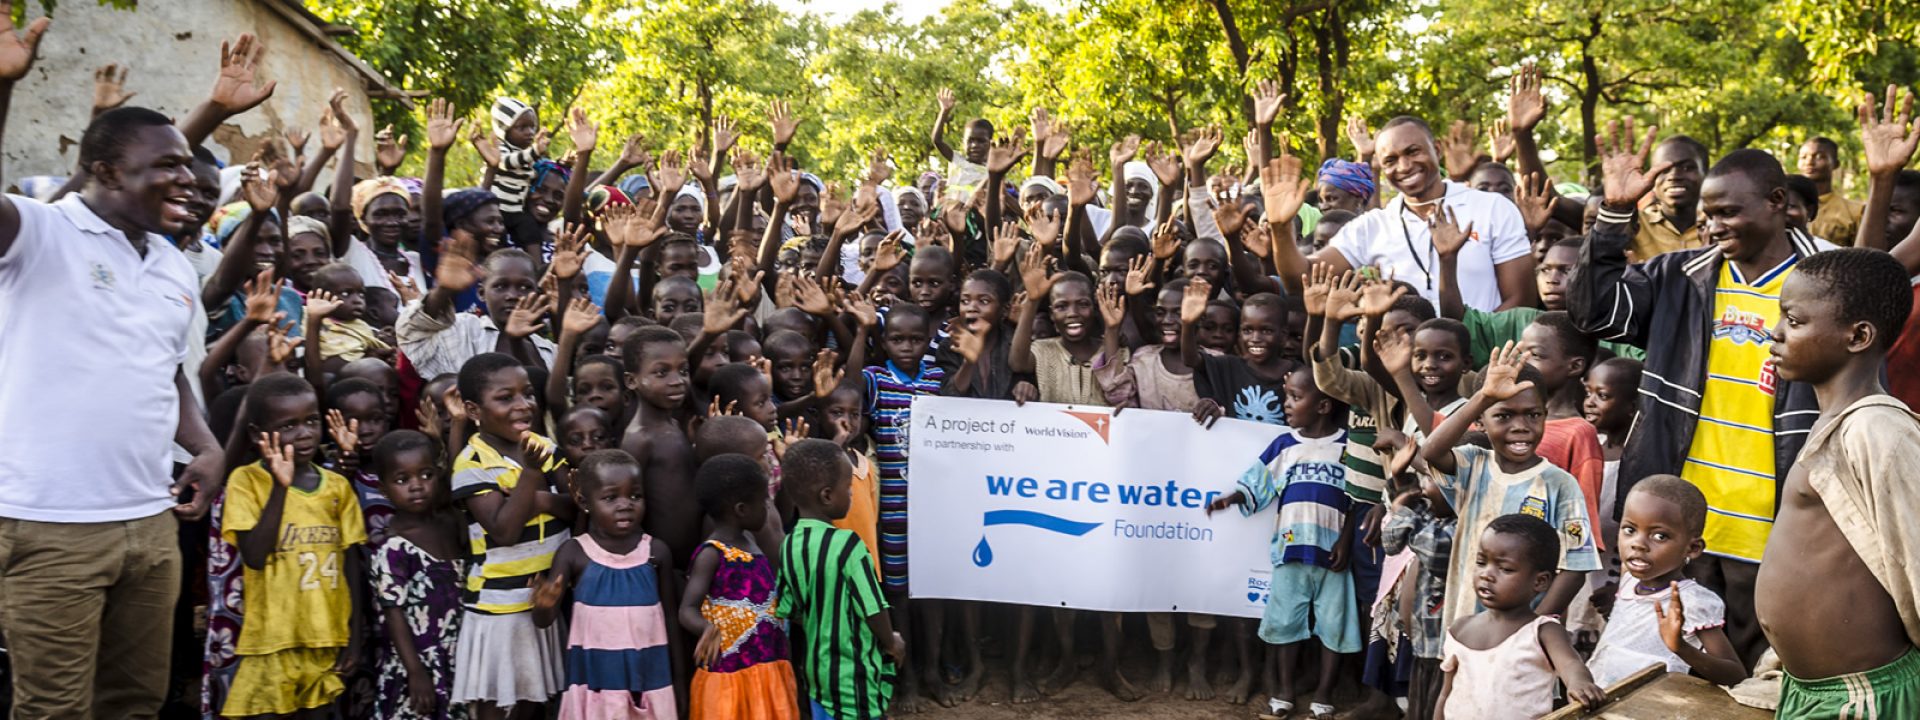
column 656, row 362
column 1836, row 593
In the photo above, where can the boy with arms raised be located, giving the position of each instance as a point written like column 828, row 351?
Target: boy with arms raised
column 1836, row 597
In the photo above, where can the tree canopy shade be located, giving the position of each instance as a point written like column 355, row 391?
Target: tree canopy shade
column 1732, row 73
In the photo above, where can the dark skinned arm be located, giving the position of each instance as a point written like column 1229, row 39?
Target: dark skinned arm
column 1565, row 585
column 576, row 192
column 621, row 287
column 1438, row 449
column 220, row 352
column 256, row 546
column 1020, row 357
column 236, row 263
column 432, row 224
column 504, row 515
column 340, row 205
column 662, row 558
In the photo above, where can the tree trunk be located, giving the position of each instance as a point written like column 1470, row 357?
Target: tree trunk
column 1241, row 57
column 1590, row 103
column 1329, row 120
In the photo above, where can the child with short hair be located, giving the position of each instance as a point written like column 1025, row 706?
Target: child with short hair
column 965, row 172
column 506, row 662
column 741, row 656
column 622, row 659
column 417, row 574
column 1501, row 662
column 657, row 375
column 1248, row 384
column 1300, row 474
column 345, row 334
column 1663, row 617
column 1482, row 484
column 849, row 653
column 1836, row 593
column 303, row 580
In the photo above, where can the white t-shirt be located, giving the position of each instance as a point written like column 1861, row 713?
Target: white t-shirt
column 91, row 334
column 373, row 273
column 1395, row 237
column 1632, row 641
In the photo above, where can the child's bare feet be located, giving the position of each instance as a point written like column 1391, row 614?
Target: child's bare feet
column 1198, row 688
column 1242, row 686
column 937, row 689
column 1062, row 675
column 1115, row 682
column 906, row 698
column 1162, row 682
column 1023, row 691
column 969, row 684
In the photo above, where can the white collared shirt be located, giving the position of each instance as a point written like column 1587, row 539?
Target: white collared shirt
column 1395, row 237
column 91, row 334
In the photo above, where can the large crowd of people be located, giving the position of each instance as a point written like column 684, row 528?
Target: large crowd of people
column 613, row 438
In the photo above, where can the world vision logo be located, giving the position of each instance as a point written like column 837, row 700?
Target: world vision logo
column 1100, row 422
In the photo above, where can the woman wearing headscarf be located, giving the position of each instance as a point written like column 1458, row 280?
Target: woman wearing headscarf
column 383, row 210
column 1345, row 185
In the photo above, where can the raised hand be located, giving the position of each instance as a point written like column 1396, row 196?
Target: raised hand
column 1500, row 140
column 1343, row 298
column 969, row 342
column 781, row 118
column 890, row 252
column 404, row 287
column 1006, row 240
column 1049, row 137
column 456, row 271
column 1502, row 379
column 263, row 299
column 1124, row 150
column 1535, row 196
column 17, row 50
column 570, row 251
column 945, row 99
column 1360, row 136
column 1231, row 216
column 1007, row 151
column 1193, row 304
column 1258, row 239
column 1395, row 351
column 1166, row 242
column 580, row 317
column 748, row 171
column 669, row 176
column 780, row 176
column 934, row 233
column 541, row 140
column 1525, row 105
column 1316, row 285
column 345, row 433
column 791, row 431
column 1378, row 296
column 725, row 134
column 827, row 373
column 280, row 347
column 811, row 295
column 1139, row 275
column 235, row 89
column 1267, row 99
column 878, row 169
column 581, row 130
column 832, row 204
column 321, row 303
column 109, row 87
column 260, row 187
column 333, row 127
column 1036, row 273
column 634, row 153
column 389, row 151
column 443, row 125
column 297, row 141
column 489, row 152
column 1113, row 306
column 1045, row 226
column 525, row 318
column 696, row 166
column 861, row 309
column 428, row 413
column 1888, row 139
column 1201, row 145
column 1456, row 147
column 1165, row 165
column 1282, row 189
column 277, row 456
column 1081, row 186
column 1448, row 236
column 1622, row 179
column 632, row 225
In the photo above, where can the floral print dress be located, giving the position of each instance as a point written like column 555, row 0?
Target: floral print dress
column 426, row 589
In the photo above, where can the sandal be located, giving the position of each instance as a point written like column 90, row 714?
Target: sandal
column 1321, row 711
column 1277, row 709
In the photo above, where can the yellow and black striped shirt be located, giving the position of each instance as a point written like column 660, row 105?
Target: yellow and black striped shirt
column 499, row 581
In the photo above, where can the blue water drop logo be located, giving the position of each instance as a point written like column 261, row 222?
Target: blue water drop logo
column 983, row 553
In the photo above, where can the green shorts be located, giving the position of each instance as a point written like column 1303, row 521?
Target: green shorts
column 1889, row 691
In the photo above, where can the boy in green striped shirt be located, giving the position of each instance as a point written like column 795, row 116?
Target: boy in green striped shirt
column 844, row 646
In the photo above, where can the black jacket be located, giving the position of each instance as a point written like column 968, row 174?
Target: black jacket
column 1665, row 305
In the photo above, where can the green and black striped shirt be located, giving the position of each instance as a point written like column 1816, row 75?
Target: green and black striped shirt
column 827, row 591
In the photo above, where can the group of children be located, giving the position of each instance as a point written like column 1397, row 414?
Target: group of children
column 637, row 446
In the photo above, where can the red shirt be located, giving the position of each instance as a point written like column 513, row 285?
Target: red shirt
column 1572, row 444
column 1903, row 361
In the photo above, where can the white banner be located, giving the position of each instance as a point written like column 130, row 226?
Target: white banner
column 1068, row 506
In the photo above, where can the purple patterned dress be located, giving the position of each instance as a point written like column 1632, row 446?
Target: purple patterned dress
column 426, row 589
column 751, row 677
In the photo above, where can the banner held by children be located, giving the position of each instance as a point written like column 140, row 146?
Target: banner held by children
column 1071, row 506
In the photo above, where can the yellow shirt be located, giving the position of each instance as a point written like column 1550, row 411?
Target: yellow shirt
column 863, row 511
column 348, row 340
column 300, row 598
column 1656, row 235
column 498, row 580
column 1731, row 459
column 1839, row 219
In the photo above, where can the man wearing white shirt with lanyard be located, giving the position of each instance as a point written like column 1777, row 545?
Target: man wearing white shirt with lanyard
column 1495, row 269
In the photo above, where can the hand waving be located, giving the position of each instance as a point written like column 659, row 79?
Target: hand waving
column 1502, row 380
column 1888, row 139
column 235, row 89
column 1621, row 176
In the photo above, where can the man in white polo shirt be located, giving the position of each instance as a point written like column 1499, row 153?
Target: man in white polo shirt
column 95, row 306
column 1495, row 269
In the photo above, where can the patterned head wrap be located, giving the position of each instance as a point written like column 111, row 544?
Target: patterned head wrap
column 601, row 197
column 544, row 167
column 365, row 191
column 303, row 225
column 463, row 204
column 1353, row 177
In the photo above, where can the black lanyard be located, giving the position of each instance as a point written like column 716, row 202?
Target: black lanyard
column 1413, row 252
